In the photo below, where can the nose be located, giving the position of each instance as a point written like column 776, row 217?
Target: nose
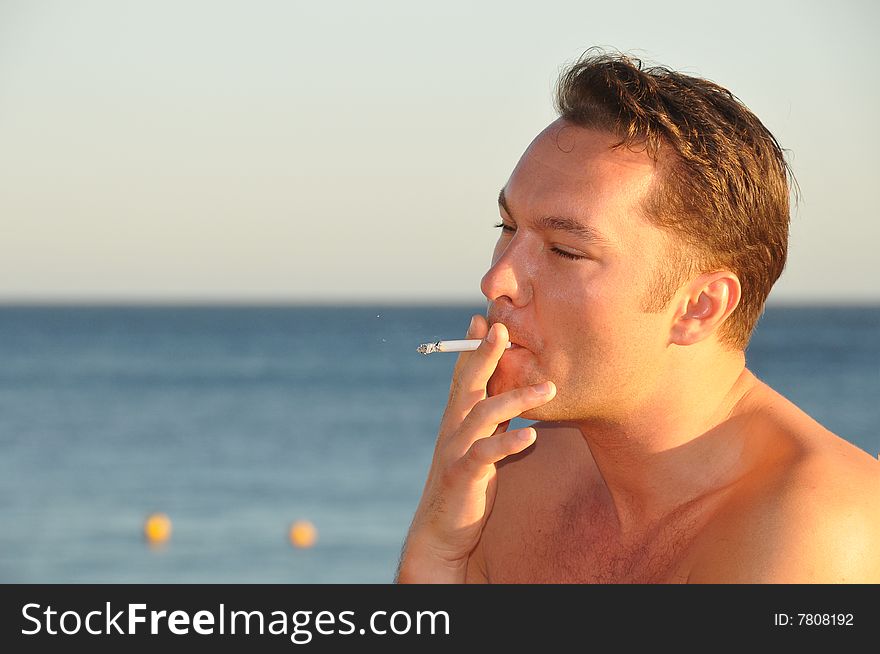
column 508, row 277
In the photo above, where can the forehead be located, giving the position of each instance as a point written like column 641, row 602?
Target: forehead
column 572, row 171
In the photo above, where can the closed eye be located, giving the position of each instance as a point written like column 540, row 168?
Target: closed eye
column 562, row 253
column 566, row 255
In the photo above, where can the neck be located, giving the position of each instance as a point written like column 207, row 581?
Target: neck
column 676, row 447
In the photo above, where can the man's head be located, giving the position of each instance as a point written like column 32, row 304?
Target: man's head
column 683, row 195
column 722, row 191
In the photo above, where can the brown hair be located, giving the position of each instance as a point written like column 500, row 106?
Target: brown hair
column 723, row 185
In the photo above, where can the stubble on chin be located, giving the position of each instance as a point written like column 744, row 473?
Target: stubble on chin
column 500, row 382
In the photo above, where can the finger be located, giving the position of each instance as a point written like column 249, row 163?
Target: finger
column 477, row 329
column 472, row 374
column 502, row 427
column 488, row 415
column 470, row 383
column 488, row 451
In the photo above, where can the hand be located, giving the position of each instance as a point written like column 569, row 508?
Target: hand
column 460, row 489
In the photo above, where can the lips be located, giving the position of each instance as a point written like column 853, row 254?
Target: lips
column 518, row 342
column 519, row 337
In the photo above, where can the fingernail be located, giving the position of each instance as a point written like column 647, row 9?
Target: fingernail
column 543, row 389
column 490, row 337
column 473, row 326
column 525, row 435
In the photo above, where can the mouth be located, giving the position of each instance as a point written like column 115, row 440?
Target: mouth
column 519, row 338
column 516, row 341
column 518, row 346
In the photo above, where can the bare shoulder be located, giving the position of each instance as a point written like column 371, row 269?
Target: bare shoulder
column 810, row 515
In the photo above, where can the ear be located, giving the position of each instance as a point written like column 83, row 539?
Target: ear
column 708, row 301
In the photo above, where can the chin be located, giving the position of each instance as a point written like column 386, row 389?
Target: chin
column 500, row 383
column 511, row 373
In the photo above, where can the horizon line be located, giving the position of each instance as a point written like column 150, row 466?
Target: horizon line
column 317, row 302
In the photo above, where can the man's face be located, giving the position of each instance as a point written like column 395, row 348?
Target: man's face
column 578, row 321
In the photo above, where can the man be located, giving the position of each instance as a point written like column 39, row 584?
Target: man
column 641, row 233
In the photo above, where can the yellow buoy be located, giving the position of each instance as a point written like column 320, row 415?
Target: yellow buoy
column 157, row 528
column 303, row 534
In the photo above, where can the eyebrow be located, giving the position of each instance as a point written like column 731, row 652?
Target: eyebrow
column 562, row 224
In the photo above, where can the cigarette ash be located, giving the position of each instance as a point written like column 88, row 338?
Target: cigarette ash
column 429, row 348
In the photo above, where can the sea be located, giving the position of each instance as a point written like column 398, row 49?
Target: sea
column 236, row 422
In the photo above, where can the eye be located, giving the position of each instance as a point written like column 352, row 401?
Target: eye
column 567, row 255
column 561, row 253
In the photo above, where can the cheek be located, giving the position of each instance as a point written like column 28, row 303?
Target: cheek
column 572, row 315
column 582, row 329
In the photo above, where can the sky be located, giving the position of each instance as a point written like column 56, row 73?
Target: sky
column 333, row 151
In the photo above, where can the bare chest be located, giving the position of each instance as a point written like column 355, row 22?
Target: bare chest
column 583, row 548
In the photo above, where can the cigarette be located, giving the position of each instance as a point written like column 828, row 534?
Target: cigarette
column 468, row 345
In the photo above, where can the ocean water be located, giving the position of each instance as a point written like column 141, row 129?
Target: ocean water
column 237, row 421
